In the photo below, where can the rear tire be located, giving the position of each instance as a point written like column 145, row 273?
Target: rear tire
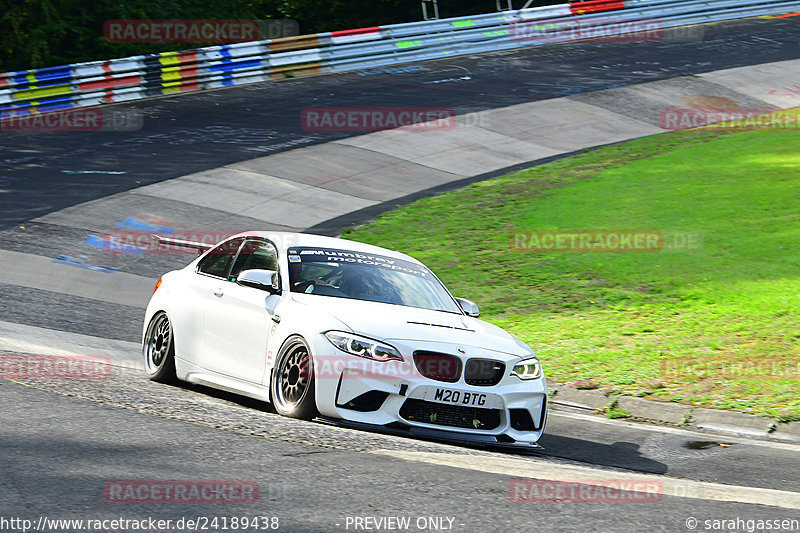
column 292, row 387
column 159, row 350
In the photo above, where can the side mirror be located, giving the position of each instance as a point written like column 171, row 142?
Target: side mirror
column 469, row 307
column 266, row 280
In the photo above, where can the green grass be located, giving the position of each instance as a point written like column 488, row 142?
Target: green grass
column 613, row 319
column 613, row 411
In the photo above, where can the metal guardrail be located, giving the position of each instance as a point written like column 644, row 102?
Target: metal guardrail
column 133, row 78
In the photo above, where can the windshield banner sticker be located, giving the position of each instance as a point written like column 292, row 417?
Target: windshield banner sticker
column 326, row 255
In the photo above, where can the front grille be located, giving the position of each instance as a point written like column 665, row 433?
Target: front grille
column 438, row 366
column 456, row 416
column 484, row 372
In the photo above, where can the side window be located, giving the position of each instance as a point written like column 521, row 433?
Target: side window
column 218, row 260
column 255, row 254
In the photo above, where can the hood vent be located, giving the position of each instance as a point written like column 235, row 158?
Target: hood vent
column 440, row 326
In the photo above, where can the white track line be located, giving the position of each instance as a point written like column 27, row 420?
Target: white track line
column 25, row 339
column 531, row 468
column 707, row 435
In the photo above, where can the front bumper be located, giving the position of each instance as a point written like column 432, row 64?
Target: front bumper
column 392, row 393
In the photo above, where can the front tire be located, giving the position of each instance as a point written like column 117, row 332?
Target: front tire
column 159, row 350
column 293, row 381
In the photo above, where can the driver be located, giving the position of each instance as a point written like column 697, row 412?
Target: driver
column 296, row 276
column 357, row 282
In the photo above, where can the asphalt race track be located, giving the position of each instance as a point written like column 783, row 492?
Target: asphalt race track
column 195, row 132
column 64, row 440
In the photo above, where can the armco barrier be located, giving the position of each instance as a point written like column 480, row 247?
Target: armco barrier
column 133, row 78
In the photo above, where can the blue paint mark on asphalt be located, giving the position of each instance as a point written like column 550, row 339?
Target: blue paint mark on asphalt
column 83, row 263
column 138, row 223
column 106, row 244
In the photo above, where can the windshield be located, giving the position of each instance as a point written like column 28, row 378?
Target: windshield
column 368, row 277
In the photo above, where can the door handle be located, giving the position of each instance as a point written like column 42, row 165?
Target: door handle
column 218, row 292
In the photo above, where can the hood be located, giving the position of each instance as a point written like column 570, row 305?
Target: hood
column 387, row 322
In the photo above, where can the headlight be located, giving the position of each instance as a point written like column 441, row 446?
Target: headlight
column 363, row 347
column 528, row 369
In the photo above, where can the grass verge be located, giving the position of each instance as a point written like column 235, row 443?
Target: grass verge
column 713, row 323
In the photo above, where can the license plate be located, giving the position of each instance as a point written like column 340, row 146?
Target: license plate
column 462, row 398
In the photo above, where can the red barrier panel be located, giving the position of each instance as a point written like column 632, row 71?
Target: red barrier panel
column 595, row 6
column 359, row 31
column 110, row 83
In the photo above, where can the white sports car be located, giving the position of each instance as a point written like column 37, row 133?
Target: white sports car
column 325, row 327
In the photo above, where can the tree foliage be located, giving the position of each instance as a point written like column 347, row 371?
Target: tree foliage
column 41, row 33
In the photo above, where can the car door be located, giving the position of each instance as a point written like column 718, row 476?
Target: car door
column 238, row 318
column 194, row 296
